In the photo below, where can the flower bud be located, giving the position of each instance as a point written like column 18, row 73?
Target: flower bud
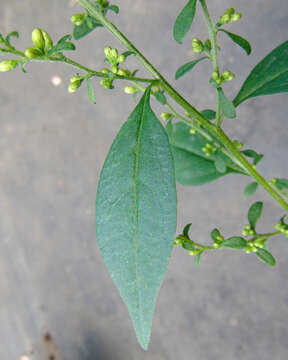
column 105, row 71
column 130, row 90
column 227, row 75
column 195, row 252
column 235, row 17
column 8, row 65
column 74, row 79
column 192, row 131
column 32, row 53
column 47, row 40
column 224, row 19
column 38, row 39
column 123, row 72
column 166, row 116
column 230, row 11
column 78, row 19
column 197, row 45
column 106, row 83
column 114, row 53
column 215, row 75
column 114, row 69
column 107, row 51
column 74, row 85
column 121, row 59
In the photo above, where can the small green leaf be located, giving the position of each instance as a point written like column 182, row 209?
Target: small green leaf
column 62, row 45
column 234, row 242
column 184, row 21
column 281, row 184
column 114, row 8
column 254, row 155
column 197, row 259
column 184, row 69
column 214, row 234
column 266, row 257
column 159, row 95
column 10, row 35
column 136, row 213
column 88, row 25
column 90, row 91
column 128, row 53
column 243, row 43
column 227, row 107
column 209, row 114
column 250, row 189
column 269, row 76
column 220, row 163
column 186, row 230
column 254, row 213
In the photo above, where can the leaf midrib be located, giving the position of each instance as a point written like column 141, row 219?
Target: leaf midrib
column 136, row 206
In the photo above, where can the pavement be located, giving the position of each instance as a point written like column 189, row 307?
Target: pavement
column 57, row 298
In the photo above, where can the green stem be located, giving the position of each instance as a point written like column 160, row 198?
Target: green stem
column 214, row 53
column 217, row 132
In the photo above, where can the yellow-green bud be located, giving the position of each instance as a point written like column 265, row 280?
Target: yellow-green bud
column 121, row 59
column 8, row 65
column 216, row 244
column 197, row 45
column 235, row 17
column 78, row 19
column 114, row 53
column 130, row 89
column 107, row 51
column 74, row 86
column 227, row 75
column 47, row 40
column 178, row 241
column 192, row 131
column 224, row 19
column 106, row 83
column 123, row 72
column 38, row 39
column 114, row 69
column 74, row 79
column 32, row 53
column 230, row 11
column 166, row 116
column 105, row 71
column 195, row 252
column 215, row 75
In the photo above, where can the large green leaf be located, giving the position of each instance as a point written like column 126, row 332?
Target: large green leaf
column 270, row 76
column 192, row 166
column 184, row 21
column 136, row 213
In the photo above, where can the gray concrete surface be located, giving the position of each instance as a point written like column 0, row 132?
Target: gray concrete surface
column 52, row 147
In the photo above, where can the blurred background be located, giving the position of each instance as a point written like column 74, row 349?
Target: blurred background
column 57, row 299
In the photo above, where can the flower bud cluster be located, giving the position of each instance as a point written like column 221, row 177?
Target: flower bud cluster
column 217, row 242
column 78, row 19
column 251, row 247
column 283, row 228
column 166, row 116
column 230, row 16
column 248, row 231
column 75, row 83
column 8, row 65
column 42, row 43
column 208, row 149
column 226, row 76
column 197, row 45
